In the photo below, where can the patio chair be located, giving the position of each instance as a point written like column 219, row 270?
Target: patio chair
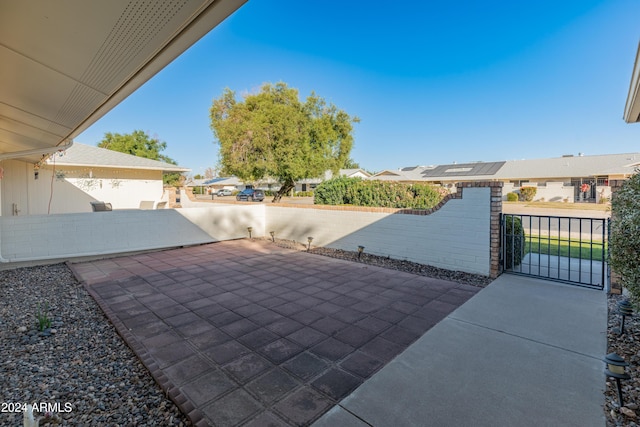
column 101, row 206
column 161, row 205
column 146, row 204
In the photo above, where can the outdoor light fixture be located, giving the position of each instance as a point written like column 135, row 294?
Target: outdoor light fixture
column 249, row 229
column 615, row 369
column 624, row 309
column 273, row 236
column 309, row 240
column 360, row 250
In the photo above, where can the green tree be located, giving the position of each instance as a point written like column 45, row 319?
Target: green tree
column 138, row 143
column 273, row 134
column 351, row 164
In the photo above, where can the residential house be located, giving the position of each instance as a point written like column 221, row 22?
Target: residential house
column 556, row 179
column 311, row 183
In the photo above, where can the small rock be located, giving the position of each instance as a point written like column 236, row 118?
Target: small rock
column 628, row 412
column 22, row 329
column 632, row 406
column 53, row 331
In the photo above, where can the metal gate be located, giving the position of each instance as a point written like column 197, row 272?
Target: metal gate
column 565, row 249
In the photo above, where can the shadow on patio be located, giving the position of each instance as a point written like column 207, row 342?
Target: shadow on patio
column 248, row 333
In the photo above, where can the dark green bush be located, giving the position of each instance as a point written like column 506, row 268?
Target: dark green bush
column 512, row 197
column 625, row 235
column 528, row 193
column 357, row 192
column 514, row 239
column 332, row 192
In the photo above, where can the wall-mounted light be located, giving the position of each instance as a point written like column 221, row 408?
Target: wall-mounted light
column 309, row 240
column 249, row 229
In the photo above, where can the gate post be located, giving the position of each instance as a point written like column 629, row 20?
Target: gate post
column 615, row 286
column 496, row 212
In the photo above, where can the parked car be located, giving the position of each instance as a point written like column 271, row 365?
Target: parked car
column 224, row 192
column 250, row 194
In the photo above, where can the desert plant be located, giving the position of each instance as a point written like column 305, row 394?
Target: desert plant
column 512, row 197
column 625, row 235
column 42, row 319
column 528, row 193
column 514, row 239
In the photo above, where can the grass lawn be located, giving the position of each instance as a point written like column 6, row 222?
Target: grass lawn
column 559, row 205
column 563, row 247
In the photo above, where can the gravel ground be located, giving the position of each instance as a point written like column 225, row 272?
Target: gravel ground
column 627, row 346
column 80, row 360
column 380, row 261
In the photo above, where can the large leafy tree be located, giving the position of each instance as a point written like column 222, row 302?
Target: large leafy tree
column 138, row 143
column 273, row 134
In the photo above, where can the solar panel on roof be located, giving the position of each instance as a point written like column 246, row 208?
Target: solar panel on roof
column 466, row 169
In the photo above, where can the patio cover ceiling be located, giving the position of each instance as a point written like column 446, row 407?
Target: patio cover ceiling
column 67, row 63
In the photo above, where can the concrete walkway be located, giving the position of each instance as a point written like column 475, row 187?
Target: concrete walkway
column 522, row 352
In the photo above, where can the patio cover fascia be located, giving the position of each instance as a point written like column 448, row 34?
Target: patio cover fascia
column 632, row 107
column 66, row 64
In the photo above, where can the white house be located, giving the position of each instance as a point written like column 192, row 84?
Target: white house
column 60, row 74
column 68, row 181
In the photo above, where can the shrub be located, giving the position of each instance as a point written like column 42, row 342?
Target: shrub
column 512, row 197
column 514, row 241
column 625, row 235
column 357, row 192
column 333, row 191
column 303, row 194
column 528, row 193
column 425, row 196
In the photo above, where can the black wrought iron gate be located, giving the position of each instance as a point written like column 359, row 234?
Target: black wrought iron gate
column 565, row 249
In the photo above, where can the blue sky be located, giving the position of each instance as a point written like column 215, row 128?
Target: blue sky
column 432, row 82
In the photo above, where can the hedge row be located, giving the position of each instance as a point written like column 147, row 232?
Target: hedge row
column 358, row 192
column 625, row 236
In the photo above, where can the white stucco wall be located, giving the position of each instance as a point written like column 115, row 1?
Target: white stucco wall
column 551, row 192
column 456, row 237
column 71, row 189
column 32, row 237
column 227, row 222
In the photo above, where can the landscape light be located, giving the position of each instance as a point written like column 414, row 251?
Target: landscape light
column 624, row 309
column 309, row 240
column 249, row 229
column 360, row 250
column 273, row 236
column 616, row 369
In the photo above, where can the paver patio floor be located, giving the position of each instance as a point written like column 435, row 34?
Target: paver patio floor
column 248, row 333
